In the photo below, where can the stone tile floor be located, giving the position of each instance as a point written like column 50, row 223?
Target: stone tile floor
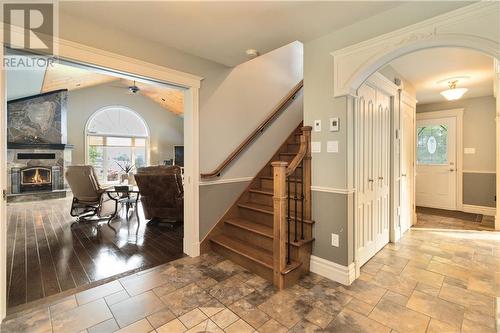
column 430, row 281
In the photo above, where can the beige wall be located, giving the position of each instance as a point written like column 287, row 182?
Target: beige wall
column 166, row 128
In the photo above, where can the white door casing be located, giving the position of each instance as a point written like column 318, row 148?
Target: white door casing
column 439, row 179
column 407, row 183
column 372, row 141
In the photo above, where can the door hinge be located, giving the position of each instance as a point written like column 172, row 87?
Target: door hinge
column 4, row 194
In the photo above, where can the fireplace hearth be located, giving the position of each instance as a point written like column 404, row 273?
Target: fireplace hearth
column 36, row 179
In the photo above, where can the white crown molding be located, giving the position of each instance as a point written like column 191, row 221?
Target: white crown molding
column 333, row 271
column 473, row 26
column 490, row 211
column 226, row 181
column 333, row 190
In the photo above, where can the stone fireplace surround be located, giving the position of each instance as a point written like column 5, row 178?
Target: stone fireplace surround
column 36, row 138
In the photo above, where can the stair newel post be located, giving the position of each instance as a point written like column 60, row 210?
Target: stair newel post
column 279, row 223
column 306, row 132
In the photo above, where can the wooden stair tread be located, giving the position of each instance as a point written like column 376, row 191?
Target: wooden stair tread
column 262, row 229
column 253, row 253
column 261, row 191
column 264, row 209
column 258, row 255
column 258, row 228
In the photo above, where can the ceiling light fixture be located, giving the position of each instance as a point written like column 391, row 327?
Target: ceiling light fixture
column 453, row 93
column 251, row 53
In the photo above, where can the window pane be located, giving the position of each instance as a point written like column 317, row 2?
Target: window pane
column 432, row 144
column 140, row 142
column 116, row 157
column 114, row 141
column 96, row 140
column 96, row 159
column 140, row 158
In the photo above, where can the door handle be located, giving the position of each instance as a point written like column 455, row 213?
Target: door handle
column 381, row 178
column 403, row 175
column 370, row 180
column 451, row 170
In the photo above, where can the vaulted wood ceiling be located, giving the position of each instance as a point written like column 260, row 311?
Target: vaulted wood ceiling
column 61, row 76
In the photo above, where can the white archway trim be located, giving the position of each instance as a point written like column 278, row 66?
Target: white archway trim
column 474, row 26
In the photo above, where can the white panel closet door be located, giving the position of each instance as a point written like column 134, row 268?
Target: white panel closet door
column 407, row 166
column 373, row 164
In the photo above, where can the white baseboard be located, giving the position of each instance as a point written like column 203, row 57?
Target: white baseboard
column 339, row 273
column 491, row 211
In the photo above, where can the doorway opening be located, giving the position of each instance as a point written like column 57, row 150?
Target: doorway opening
column 454, row 151
column 438, row 169
column 74, row 132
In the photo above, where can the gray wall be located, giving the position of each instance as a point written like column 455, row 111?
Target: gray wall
column 166, row 128
column 479, row 133
column 213, row 210
column 330, row 170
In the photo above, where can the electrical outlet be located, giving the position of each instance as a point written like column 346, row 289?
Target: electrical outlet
column 335, row 240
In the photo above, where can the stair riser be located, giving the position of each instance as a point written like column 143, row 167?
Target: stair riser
column 252, row 215
column 293, row 148
column 268, row 184
column 264, row 242
column 251, row 265
column 267, row 200
column 249, row 237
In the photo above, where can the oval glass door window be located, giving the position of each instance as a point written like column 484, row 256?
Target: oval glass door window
column 431, row 145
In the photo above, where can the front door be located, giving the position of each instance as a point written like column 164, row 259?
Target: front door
column 407, row 165
column 373, row 166
column 436, row 178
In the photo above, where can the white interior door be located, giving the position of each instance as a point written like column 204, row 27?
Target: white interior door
column 407, row 166
column 373, row 166
column 436, row 178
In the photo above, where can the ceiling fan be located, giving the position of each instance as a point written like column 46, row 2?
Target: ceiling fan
column 134, row 89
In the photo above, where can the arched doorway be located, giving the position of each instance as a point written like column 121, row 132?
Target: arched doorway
column 355, row 64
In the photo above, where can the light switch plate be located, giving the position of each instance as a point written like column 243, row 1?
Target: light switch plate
column 316, row 146
column 317, row 126
column 334, row 124
column 335, row 240
column 332, row 146
column 469, row 150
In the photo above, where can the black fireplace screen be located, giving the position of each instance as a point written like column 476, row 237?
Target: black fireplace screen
column 36, row 176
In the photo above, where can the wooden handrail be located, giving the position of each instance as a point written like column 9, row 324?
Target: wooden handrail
column 303, row 150
column 274, row 114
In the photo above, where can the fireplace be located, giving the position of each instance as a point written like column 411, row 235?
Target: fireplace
column 36, row 179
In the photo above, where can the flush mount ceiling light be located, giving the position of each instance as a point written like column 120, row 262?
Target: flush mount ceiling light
column 251, row 53
column 453, row 93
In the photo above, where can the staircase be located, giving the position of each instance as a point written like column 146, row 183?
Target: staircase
column 269, row 229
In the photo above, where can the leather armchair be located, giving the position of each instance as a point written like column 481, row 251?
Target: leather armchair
column 162, row 193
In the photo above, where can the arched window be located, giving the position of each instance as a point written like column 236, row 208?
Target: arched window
column 117, row 137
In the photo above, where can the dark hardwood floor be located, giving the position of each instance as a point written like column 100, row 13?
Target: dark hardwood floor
column 47, row 256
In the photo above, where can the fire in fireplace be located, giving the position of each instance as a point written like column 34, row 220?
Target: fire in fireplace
column 36, row 179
